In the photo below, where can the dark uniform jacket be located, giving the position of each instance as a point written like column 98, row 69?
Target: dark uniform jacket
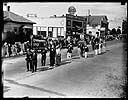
column 28, row 56
column 52, row 52
column 86, row 49
column 34, row 57
column 70, row 48
column 43, row 53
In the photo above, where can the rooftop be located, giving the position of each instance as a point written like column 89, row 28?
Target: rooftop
column 10, row 16
column 96, row 19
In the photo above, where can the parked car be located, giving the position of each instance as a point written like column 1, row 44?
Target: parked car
column 110, row 37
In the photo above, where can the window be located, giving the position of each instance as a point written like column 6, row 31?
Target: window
column 50, row 32
column 76, row 23
column 59, row 31
column 43, row 33
column 54, row 32
column 68, row 22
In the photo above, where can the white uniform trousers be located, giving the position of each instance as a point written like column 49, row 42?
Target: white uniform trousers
column 85, row 54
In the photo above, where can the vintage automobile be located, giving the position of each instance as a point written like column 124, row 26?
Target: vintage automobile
column 109, row 38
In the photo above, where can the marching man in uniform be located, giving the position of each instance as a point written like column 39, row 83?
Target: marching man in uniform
column 96, row 47
column 69, row 51
column 58, row 55
column 52, row 55
column 100, row 45
column 104, row 45
column 29, row 60
column 43, row 58
column 34, row 61
column 86, row 51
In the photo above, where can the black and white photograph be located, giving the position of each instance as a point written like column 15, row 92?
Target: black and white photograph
column 64, row 50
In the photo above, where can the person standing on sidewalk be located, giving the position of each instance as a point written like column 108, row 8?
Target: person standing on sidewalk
column 43, row 57
column 9, row 49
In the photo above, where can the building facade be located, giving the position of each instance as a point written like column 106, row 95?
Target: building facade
column 59, row 26
column 16, row 25
column 97, row 25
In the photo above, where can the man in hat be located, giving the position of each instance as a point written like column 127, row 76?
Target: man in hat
column 29, row 60
column 43, row 57
column 34, row 61
column 58, row 55
column 52, row 55
column 86, row 50
column 69, row 51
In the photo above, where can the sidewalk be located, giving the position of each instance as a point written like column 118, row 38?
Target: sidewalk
column 21, row 55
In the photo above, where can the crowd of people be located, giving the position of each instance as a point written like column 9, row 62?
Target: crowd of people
column 9, row 49
column 54, row 49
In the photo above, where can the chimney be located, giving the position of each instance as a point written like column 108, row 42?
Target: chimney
column 89, row 12
column 8, row 8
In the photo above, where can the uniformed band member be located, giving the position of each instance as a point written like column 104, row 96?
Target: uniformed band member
column 86, row 51
column 58, row 55
column 100, row 45
column 29, row 60
column 104, row 45
column 43, row 58
column 34, row 61
column 52, row 55
column 81, row 49
column 69, row 51
column 96, row 45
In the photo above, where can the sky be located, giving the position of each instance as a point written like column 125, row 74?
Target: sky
column 114, row 11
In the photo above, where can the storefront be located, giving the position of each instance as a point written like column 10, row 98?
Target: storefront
column 75, row 26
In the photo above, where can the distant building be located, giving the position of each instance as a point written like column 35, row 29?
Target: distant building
column 97, row 25
column 60, row 26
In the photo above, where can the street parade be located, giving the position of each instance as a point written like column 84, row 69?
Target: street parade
column 64, row 50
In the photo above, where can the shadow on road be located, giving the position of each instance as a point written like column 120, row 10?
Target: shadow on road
column 76, row 58
column 43, row 69
column 33, row 87
column 64, row 62
column 90, row 55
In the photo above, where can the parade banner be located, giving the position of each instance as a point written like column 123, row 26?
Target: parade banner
column 39, row 44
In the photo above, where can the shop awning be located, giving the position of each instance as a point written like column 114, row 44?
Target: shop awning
column 27, row 27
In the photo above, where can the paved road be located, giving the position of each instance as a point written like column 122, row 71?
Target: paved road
column 81, row 78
